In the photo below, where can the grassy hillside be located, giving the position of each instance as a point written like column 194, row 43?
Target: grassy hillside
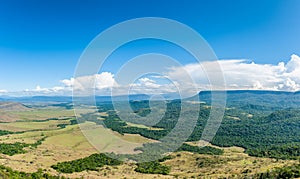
column 12, row 106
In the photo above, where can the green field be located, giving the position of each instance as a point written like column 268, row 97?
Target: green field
column 26, row 126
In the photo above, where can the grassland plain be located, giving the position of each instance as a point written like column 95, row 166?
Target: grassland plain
column 35, row 114
column 66, row 144
column 31, row 125
column 44, row 113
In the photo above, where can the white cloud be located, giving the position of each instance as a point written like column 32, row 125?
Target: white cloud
column 97, row 81
column 88, row 85
column 39, row 89
column 147, row 83
column 150, row 86
column 240, row 74
column 190, row 79
column 3, row 91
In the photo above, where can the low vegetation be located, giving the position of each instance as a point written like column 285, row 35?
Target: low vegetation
column 6, row 172
column 18, row 147
column 12, row 149
column 292, row 171
column 153, row 167
column 93, row 162
column 72, row 122
column 5, row 132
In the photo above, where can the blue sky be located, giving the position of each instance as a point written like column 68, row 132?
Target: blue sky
column 41, row 41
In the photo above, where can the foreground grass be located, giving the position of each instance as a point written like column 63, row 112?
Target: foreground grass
column 6, row 173
column 153, row 167
column 22, row 126
column 292, row 171
column 234, row 163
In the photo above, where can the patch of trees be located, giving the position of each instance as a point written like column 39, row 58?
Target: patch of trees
column 93, row 162
column 64, row 105
column 49, row 119
column 6, row 172
column 105, row 107
column 4, row 132
column 96, row 161
column 62, row 125
column 168, row 157
column 72, row 122
column 279, row 151
column 153, row 167
column 12, row 149
column 18, row 147
column 142, row 108
column 37, row 143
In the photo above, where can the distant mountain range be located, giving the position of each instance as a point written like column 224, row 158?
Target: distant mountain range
column 233, row 98
column 255, row 99
column 68, row 99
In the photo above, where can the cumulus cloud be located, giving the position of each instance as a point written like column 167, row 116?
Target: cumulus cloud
column 105, row 84
column 242, row 74
column 88, row 85
column 3, row 91
column 98, row 81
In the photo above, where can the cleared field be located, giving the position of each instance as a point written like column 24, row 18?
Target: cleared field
column 25, row 126
column 233, row 117
column 44, row 113
column 142, row 126
column 106, row 140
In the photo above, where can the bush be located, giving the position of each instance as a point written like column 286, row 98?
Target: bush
column 153, row 167
column 92, row 162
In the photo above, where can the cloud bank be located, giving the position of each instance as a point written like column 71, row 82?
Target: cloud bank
column 238, row 74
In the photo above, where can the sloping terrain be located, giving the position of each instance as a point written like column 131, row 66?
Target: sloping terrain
column 12, row 106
